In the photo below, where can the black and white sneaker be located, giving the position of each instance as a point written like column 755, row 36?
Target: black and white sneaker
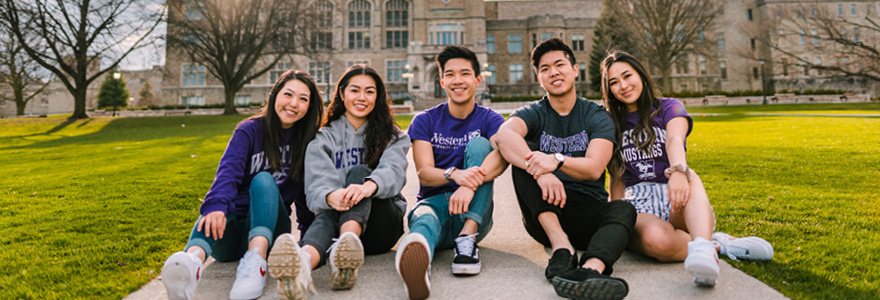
column 467, row 256
column 588, row 284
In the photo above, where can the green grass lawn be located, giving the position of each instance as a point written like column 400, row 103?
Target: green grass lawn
column 91, row 208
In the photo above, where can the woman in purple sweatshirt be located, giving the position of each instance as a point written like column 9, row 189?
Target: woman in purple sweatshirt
column 260, row 175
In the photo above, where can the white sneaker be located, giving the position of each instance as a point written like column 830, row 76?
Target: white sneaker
column 290, row 265
column 702, row 262
column 181, row 274
column 346, row 256
column 250, row 277
column 413, row 263
column 751, row 248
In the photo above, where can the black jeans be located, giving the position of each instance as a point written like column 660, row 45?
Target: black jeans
column 598, row 227
column 381, row 220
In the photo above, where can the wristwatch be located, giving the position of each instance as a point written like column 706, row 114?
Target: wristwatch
column 560, row 158
column 448, row 173
column 678, row 168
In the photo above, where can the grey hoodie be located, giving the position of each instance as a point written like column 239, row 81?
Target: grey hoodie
column 339, row 147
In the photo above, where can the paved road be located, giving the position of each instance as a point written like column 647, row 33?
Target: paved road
column 513, row 268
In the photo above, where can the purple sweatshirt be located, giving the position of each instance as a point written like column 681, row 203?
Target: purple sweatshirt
column 243, row 159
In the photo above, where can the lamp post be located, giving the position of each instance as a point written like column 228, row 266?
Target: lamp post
column 116, row 77
column 327, row 80
column 406, row 76
column 486, row 74
column 763, row 84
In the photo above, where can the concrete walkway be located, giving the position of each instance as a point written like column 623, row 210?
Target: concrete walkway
column 513, row 268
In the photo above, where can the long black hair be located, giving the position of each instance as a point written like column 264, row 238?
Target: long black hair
column 647, row 106
column 304, row 130
column 381, row 128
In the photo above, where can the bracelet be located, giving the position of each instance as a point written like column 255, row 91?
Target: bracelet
column 683, row 168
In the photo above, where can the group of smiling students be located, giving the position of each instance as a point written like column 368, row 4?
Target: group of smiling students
column 344, row 173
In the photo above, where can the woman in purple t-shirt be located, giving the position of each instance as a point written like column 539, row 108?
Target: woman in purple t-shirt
column 649, row 169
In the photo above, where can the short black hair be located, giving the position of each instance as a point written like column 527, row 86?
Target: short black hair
column 450, row 52
column 552, row 44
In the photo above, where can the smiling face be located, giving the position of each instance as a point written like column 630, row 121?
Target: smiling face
column 460, row 81
column 625, row 84
column 292, row 102
column 556, row 74
column 359, row 98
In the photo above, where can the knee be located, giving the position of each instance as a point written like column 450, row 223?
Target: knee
column 478, row 146
column 658, row 244
column 262, row 180
column 625, row 212
column 424, row 210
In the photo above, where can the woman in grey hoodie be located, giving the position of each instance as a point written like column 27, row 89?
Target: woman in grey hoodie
column 355, row 169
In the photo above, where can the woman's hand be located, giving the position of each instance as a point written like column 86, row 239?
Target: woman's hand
column 354, row 193
column 214, row 223
column 679, row 190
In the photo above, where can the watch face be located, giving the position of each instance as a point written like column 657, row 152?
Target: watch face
column 560, row 157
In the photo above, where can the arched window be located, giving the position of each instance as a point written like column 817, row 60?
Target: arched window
column 322, row 37
column 359, row 24
column 396, row 23
column 325, row 13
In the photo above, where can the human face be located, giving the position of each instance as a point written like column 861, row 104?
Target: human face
column 625, row 84
column 556, row 74
column 292, row 102
column 359, row 98
column 460, row 81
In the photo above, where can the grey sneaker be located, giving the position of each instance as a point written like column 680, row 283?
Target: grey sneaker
column 289, row 265
column 751, row 248
column 180, row 274
column 467, row 256
column 702, row 262
column 346, row 256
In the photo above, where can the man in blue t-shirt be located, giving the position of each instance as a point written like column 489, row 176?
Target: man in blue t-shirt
column 456, row 165
column 559, row 147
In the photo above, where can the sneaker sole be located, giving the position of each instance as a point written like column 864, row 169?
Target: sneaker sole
column 703, row 275
column 413, row 268
column 284, row 264
column 590, row 289
column 466, row 269
column 176, row 278
column 347, row 258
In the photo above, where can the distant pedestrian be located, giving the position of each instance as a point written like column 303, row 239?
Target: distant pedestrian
column 559, row 147
column 649, row 169
column 259, row 176
column 355, row 170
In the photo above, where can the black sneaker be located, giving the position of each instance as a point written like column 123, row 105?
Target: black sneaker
column 561, row 262
column 467, row 256
column 588, row 284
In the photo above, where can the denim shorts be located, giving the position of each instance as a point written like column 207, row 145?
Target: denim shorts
column 649, row 197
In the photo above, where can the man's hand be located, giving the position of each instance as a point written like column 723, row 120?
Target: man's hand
column 471, row 177
column 460, row 200
column 540, row 163
column 552, row 189
column 214, row 223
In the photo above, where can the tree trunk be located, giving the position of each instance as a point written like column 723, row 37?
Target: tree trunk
column 229, row 107
column 79, row 102
column 666, row 84
column 19, row 108
column 20, row 104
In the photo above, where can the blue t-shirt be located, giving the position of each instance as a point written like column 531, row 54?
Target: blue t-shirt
column 449, row 136
column 649, row 166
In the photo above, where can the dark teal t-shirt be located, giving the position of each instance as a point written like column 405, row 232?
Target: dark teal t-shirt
column 569, row 135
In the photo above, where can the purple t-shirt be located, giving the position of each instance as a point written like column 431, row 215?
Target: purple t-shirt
column 641, row 166
column 243, row 159
column 449, row 136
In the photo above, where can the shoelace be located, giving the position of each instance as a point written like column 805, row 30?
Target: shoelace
column 466, row 248
column 248, row 265
column 734, row 251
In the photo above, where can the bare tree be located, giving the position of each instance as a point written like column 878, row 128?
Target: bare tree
column 74, row 37
column 239, row 40
column 665, row 30
column 20, row 73
column 851, row 46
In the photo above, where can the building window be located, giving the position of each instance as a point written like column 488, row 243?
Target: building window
column 490, row 44
column 840, row 10
column 516, row 73
column 358, row 40
column 723, row 67
column 577, row 42
column 397, row 13
column 721, row 41
column 514, row 43
column 192, row 100
column 803, row 38
column 749, row 13
column 446, row 34
column 819, row 63
column 359, row 14
column 856, row 35
column 399, row 95
column 193, row 75
column 700, row 36
column 547, row 35
column 753, row 44
column 684, row 87
column 843, row 33
column 852, row 8
column 681, row 66
column 800, row 11
column 806, row 66
column 277, row 70
column 812, row 11
column 396, row 39
column 393, row 70
column 241, row 100
column 534, row 40
column 322, row 40
column 779, row 10
column 439, row 92
column 582, row 72
column 356, row 62
column 755, row 72
column 491, row 70
column 815, row 37
column 325, row 14
column 192, row 11
column 320, row 71
column 703, row 67
column 784, row 67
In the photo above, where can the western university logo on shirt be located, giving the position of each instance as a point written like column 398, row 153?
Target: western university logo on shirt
column 259, row 163
column 639, row 160
column 349, row 157
column 439, row 141
column 574, row 143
